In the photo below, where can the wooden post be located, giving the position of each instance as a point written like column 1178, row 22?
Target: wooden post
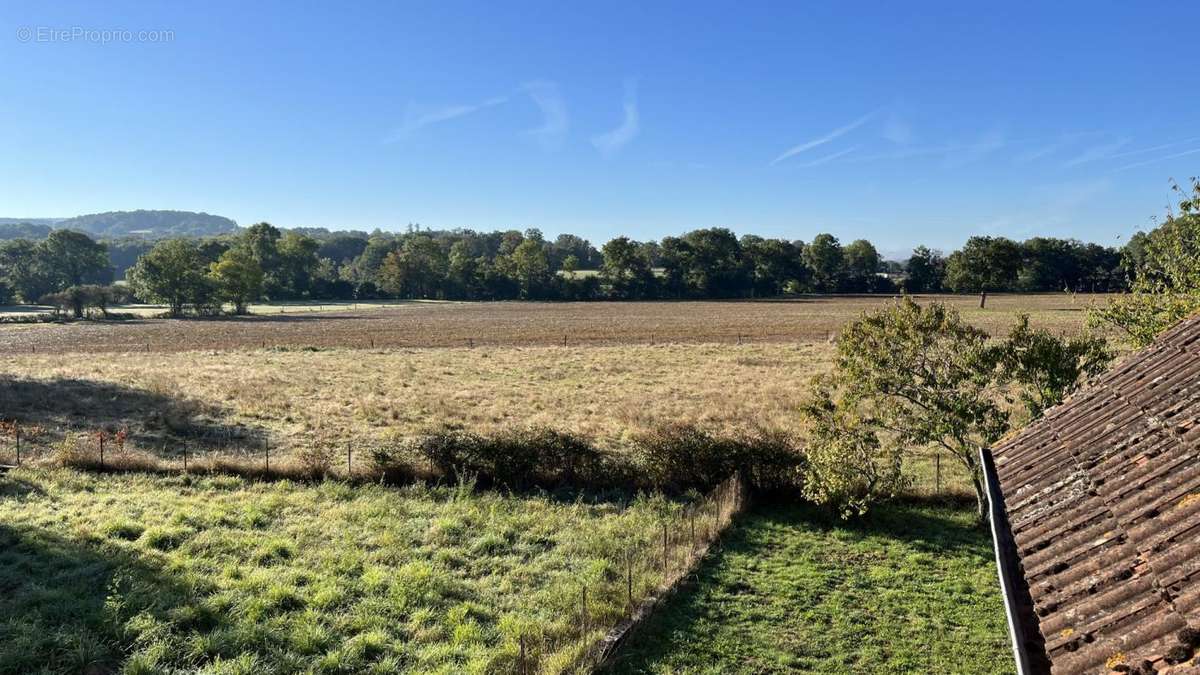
column 664, row 547
column 267, row 452
column 937, row 463
column 185, row 457
column 629, row 576
column 349, row 464
column 101, row 437
column 583, row 617
column 982, row 299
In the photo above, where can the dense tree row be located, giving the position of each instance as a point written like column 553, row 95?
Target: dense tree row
column 264, row 262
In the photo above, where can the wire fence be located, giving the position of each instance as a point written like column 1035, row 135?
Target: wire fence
column 625, row 579
column 930, row 473
column 637, row 577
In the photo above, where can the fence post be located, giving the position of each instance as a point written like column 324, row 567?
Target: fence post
column 349, row 461
column 185, row 458
column 17, row 432
column 629, row 576
column 101, row 437
column 664, row 548
column 937, row 462
column 522, row 658
column 693, row 519
column 267, row 452
column 583, row 617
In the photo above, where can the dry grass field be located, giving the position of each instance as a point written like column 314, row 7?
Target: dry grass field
column 625, row 367
column 512, row 324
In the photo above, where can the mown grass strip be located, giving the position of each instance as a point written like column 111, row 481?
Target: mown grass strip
column 911, row 588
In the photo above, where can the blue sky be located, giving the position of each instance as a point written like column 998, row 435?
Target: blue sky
column 904, row 123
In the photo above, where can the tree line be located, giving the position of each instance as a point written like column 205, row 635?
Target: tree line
column 266, row 262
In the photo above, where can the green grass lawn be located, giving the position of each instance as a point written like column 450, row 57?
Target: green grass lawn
column 140, row 574
column 910, row 589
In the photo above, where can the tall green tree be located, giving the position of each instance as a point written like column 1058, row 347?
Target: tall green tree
column 861, row 262
column 926, row 271
column 417, row 270
column 825, row 258
column 25, row 270
column 984, row 264
column 238, row 278
column 297, row 265
column 531, row 267
column 73, row 259
column 626, row 270
column 774, row 264
column 173, row 273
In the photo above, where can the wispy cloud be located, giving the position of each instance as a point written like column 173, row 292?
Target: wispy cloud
column 897, row 130
column 1096, row 153
column 1185, row 153
column 1063, row 142
column 829, row 158
column 1164, row 146
column 554, row 113
column 611, row 142
column 417, row 117
column 822, row 140
column 961, row 155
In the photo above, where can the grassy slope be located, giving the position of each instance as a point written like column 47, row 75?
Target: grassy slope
column 911, row 589
column 221, row 575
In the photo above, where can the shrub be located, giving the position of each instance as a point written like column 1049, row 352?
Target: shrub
column 448, row 452
column 390, row 464
column 847, row 469
column 771, row 461
column 316, row 461
column 682, row 457
column 517, row 459
column 555, row 458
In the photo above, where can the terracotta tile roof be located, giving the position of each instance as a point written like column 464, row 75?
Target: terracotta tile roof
column 1103, row 501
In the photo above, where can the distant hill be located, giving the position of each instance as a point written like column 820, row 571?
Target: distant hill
column 16, row 228
column 150, row 224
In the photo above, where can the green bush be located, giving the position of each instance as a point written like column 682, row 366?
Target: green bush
column 519, row 459
column 682, row 457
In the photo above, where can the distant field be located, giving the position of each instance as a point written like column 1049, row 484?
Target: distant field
column 140, row 574
column 518, row 324
column 210, row 382
column 911, row 589
column 370, row 395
